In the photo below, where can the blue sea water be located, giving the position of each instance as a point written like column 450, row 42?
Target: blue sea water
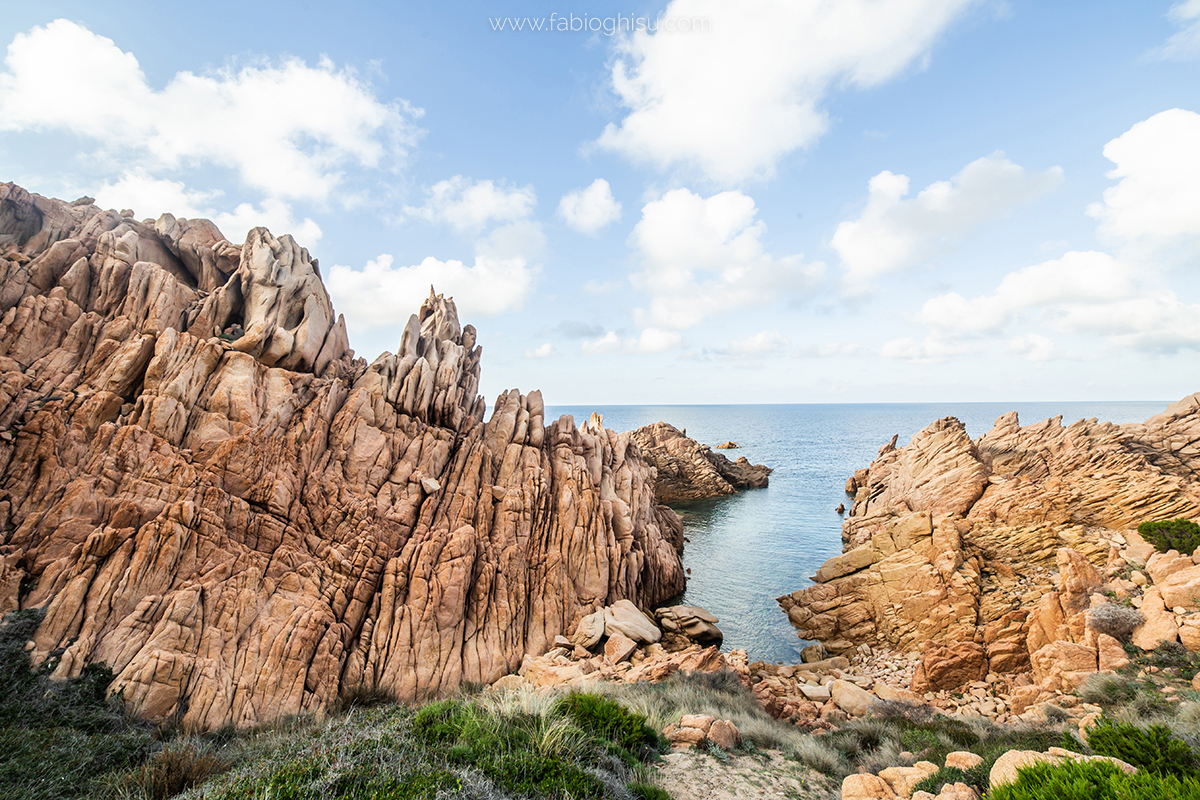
column 748, row 549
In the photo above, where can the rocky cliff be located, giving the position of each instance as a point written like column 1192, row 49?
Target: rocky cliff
column 207, row 492
column 688, row 470
column 958, row 541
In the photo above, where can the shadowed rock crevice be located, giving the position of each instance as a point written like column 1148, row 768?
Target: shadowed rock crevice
column 208, row 492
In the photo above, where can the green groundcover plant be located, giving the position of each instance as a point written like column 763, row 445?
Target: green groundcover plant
column 1172, row 534
column 1094, row 780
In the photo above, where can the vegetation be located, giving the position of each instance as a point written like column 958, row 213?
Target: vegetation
column 1172, row 534
column 1118, row 621
column 1094, row 780
column 58, row 735
column 1152, row 748
column 65, row 739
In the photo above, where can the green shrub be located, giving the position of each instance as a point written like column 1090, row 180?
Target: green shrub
column 607, row 719
column 1172, row 534
column 1094, row 780
column 1153, row 748
column 644, row 791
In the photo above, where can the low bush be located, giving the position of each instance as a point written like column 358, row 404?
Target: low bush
column 607, row 719
column 1094, row 780
column 1116, row 620
column 1153, row 748
column 1172, row 534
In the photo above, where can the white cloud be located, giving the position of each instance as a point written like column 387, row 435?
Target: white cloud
column 588, row 210
column 1156, row 201
column 736, row 96
column 152, row 197
column 894, row 233
column 286, row 128
column 543, row 351
column 1185, row 44
column 608, row 343
column 1078, row 278
column 651, row 340
column 467, row 205
column 759, row 344
column 1088, row 293
column 703, row 256
column 1034, row 346
column 383, row 295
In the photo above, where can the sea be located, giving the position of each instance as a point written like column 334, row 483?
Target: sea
column 747, row 549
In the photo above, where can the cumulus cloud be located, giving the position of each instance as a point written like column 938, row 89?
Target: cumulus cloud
column 286, row 128
column 383, row 294
column 1156, row 201
column 1185, row 44
column 735, row 96
column 703, row 256
column 545, row 350
column 894, row 233
column 467, row 205
column 150, row 197
column 588, row 210
column 1090, row 293
column 650, row 340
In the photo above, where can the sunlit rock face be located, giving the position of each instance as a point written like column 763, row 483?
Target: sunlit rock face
column 958, row 540
column 206, row 491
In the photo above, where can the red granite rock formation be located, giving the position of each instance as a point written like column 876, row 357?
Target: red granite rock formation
column 206, row 491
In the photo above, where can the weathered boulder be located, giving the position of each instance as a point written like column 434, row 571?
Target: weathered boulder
column 207, row 492
column 851, row 698
column 624, row 617
column 865, row 786
column 691, row 621
column 689, row 470
column 948, row 666
column 903, row 779
column 1005, row 768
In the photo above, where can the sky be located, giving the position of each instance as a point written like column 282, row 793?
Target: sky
column 697, row 201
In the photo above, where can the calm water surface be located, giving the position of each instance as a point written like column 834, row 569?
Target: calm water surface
column 750, row 548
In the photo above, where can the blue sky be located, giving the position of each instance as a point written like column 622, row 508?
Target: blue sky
column 860, row 201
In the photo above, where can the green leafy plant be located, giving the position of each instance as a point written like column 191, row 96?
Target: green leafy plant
column 1154, row 748
column 1172, row 534
column 1094, row 780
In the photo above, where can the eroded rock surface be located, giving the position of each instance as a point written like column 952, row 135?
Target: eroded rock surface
column 688, row 470
column 206, row 491
column 1002, row 544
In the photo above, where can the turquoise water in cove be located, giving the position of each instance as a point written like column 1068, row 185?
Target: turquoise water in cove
column 748, row 549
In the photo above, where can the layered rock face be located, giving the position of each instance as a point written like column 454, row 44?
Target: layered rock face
column 973, row 544
column 688, row 470
column 207, row 492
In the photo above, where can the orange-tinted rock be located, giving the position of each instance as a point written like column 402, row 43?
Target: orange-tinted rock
column 210, row 494
column 948, row 666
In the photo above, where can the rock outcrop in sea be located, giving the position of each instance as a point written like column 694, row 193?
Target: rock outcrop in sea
column 987, row 556
column 688, row 470
column 205, row 490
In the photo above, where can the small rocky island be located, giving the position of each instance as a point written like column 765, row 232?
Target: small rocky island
column 688, row 470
